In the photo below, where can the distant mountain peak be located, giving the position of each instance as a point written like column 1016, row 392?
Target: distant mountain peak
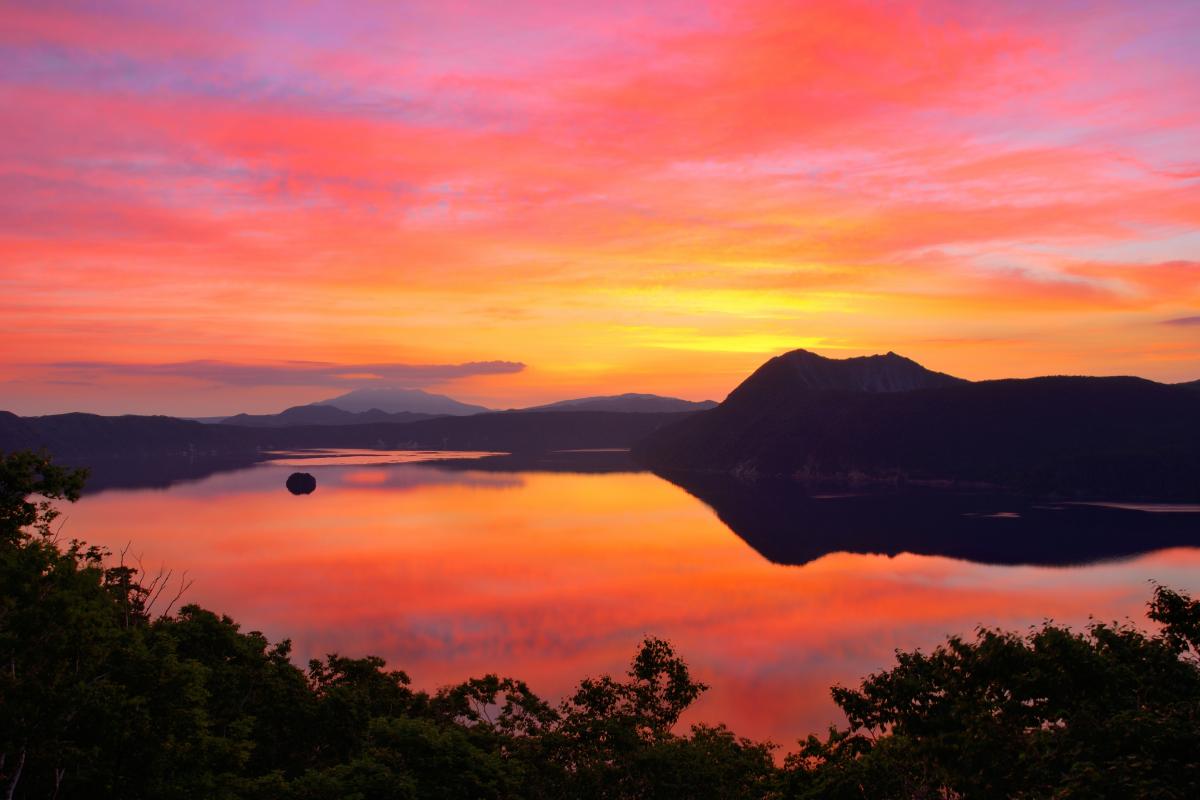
column 394, row 399
column 630, row 402
column 800, row 370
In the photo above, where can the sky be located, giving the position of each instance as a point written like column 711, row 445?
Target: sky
column 217, row 207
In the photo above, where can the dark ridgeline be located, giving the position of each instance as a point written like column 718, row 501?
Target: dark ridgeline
column 800, row 371
column 886, row 419
column 322, row 415
column 859, row 421
column 503, row 431
column 629, row 402
column 327, row 413
column 70, row 436
column 85, row 436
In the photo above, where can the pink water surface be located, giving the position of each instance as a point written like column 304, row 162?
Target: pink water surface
column 550, row 577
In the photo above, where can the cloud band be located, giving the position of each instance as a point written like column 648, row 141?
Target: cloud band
column 286, row 373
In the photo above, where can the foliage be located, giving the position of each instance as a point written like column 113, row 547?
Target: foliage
column 103, row 697
column 1109, row 712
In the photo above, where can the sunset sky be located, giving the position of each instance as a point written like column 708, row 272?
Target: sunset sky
column 216, row 207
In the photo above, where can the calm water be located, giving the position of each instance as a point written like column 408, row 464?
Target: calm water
column 551, row 576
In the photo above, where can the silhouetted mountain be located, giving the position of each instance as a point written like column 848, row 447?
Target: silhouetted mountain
column 321, row 415
column 76, row 436
column 69, row 436
column 789, row 526
column 394, row 400
column 629, row 403
column 505, row 431
column 1190, row 385
column 853, row 421
column 800, row 371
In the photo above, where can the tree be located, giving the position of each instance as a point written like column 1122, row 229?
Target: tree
column 1108, row 712
column 25, row 475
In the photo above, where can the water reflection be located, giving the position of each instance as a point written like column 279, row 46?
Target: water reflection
column 352, row 457
column 133, row 472
column 452, row 571
column 789, row 526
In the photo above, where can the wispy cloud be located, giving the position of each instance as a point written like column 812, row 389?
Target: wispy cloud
column 1184, row 321
column 287, row 373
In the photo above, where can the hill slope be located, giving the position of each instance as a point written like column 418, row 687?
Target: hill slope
column 321, row 415
column 80, row 437
column 800, row 371
column 628, row 403
column 816, row 421
column 504, row 431
column 73, row 435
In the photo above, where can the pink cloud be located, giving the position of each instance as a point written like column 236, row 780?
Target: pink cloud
column 169, row 174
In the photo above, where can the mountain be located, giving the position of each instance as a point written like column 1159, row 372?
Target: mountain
column 801, row 371
column 395, row 400
column 887, row 419
column 629, row 403
column 523, row 432
column 372, row 405
column 83, row 438
column 74, row 435
column 321, row 415
column 783, row 375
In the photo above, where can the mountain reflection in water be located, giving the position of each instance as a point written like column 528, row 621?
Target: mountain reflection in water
column 789, row 525
column 551, row 569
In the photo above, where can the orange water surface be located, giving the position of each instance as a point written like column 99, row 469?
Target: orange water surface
column 553, row 576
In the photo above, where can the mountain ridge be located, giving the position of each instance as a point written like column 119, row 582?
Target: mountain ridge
column 322, row 415
column 1108, row 436
column 79, row 438
column 397, row 399
column 629, row 402
column 800, row 370
column 328, row 412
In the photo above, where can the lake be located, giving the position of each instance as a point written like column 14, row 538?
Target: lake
column 554, row 570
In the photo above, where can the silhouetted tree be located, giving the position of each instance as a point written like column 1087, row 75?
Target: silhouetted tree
column 1109, row 712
